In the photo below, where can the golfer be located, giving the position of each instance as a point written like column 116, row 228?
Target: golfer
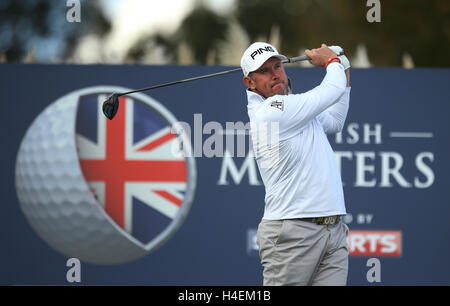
column 301, row 238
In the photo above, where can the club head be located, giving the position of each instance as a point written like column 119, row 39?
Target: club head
column 111, row 105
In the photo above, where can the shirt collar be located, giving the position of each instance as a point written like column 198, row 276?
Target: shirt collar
column 253, row 98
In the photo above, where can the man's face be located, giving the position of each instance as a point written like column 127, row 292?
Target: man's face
column 270, row 79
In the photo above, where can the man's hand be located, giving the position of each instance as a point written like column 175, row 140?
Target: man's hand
column 344, row 60
column 320, row 56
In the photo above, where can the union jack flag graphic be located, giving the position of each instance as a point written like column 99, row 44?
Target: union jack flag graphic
column 131, row 165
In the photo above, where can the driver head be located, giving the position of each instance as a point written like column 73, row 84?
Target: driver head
column 111, row 105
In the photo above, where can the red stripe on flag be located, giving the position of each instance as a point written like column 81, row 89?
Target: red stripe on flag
column 169, row 197
column 157, row 142
column 115, row 169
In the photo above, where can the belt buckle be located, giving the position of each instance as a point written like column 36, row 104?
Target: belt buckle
column 330, row 220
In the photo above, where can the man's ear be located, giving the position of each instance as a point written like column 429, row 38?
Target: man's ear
column 249, row 82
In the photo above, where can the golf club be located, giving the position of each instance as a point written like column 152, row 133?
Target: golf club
column 111, row 104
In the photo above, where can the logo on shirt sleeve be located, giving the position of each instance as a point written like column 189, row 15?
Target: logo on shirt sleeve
column 278, row 104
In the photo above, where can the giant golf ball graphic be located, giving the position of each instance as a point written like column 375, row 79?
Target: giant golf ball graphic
column 104, row 191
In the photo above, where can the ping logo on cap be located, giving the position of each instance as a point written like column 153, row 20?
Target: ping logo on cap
column 261, row 50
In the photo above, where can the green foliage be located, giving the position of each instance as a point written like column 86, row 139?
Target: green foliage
column 420, row 28
column 202, row 30
column 24, row 23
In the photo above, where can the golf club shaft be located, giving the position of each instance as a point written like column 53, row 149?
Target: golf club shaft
column 289, row 60
column 181, row 81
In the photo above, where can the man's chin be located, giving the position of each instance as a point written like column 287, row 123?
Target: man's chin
column 280, row 89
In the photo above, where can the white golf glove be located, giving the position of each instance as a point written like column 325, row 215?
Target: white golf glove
column 344, row 60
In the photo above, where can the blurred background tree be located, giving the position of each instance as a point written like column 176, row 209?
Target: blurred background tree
column 411, row 32
column 418, row 28
column 25, row 24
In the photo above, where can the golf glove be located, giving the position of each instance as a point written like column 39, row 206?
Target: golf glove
column 344, row 60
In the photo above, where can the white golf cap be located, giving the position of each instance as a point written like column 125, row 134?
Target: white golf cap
column 256, row 55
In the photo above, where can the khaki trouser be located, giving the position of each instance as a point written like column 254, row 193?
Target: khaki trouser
column 296, row 252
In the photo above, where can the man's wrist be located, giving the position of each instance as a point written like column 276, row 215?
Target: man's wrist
column 331, row 60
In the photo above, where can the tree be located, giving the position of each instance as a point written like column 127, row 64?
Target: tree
column 420, row 28
column 42, row 24
column 202, row 30
column 199, row 35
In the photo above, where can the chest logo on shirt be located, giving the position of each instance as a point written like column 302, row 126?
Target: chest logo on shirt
column 278, row 104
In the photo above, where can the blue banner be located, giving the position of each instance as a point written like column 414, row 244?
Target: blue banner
column 168, row 193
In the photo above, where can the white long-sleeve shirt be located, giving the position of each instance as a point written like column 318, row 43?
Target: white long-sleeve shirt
column 294, row 157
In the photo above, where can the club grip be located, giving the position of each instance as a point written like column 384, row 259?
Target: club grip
column 301, row 58
column 297, row 59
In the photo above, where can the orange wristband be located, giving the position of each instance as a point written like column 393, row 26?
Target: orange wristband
column 332, row 59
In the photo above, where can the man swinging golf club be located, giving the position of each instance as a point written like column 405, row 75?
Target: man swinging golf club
column 301, row 239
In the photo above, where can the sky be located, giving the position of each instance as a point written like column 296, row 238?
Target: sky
column 133, row 18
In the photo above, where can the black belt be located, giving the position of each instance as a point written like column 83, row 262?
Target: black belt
column 329, row 220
